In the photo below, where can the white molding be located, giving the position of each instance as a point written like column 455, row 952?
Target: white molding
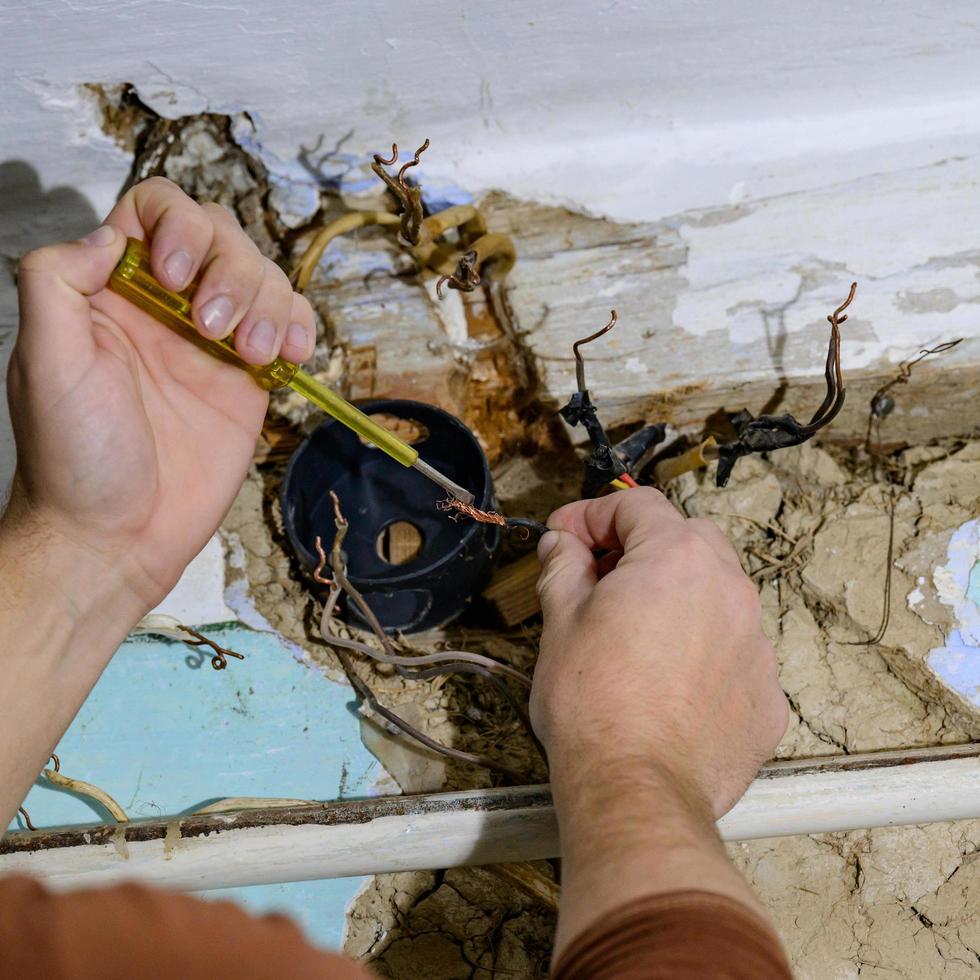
column 362, row 837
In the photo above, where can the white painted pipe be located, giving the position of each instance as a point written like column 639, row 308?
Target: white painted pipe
column 477, row 827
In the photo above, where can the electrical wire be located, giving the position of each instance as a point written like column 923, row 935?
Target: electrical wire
column 455, row 661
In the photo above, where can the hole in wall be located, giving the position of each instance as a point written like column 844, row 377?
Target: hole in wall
column 408, row 430
column 399, row 543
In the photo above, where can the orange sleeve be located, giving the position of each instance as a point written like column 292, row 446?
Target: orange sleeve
column 677, row 936
column 129, row 931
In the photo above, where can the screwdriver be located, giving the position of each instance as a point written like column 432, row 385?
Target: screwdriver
column 133, row 280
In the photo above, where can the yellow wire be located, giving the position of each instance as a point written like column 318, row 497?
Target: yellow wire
column 619, row 485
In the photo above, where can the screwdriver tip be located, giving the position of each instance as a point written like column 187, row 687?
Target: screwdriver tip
column 443, row 481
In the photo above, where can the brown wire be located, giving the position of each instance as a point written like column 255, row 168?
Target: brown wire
column 901, row 378
column 220, row 659
column 834, row 399
column 378, row 158
column 466, row 277
column 342, row 584
column 414, row 162
column 27, row 819
column 318, row 571
column 579, row 363
column 887, row 610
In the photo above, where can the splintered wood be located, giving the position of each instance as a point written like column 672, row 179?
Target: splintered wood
column 513, row 590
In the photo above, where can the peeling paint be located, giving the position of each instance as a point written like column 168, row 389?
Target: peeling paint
column 958, row 587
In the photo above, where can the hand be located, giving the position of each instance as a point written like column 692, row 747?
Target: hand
column 656, row 656
column 131, row 442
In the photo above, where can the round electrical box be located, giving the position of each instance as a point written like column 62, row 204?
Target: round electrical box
column 416, row 568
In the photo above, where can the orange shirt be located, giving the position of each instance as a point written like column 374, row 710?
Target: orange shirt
column 128, row 932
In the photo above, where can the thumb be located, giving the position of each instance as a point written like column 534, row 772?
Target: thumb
column 54, row 284
column 568, row 573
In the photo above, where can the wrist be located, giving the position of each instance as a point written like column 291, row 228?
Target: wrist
column 629, row 830
column 57, row 587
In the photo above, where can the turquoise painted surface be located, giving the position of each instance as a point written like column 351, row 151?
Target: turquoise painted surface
column 164, row 733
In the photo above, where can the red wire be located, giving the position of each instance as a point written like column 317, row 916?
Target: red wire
column 628, row 480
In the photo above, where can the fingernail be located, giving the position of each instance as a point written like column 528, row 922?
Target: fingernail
column 547, row 544
column 216, row 315
column 261, row 339
column 178, row 268
column 102, row 236
column 296, row 337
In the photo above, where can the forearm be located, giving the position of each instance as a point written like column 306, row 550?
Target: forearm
column 63, row 613
column 629, row 831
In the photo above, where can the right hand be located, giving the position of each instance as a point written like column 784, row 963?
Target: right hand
column 655, row 656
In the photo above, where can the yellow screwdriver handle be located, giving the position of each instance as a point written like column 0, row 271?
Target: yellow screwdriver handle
column 133, row 279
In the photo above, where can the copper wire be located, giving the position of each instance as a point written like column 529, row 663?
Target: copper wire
column 524, row 526
column 220, row 659
column 579, row 363
column 414, row 162
column 318, row 571
column 457, row 509
column 342, row 584
column 378, row 158
column 466, row 277
column 27, row 819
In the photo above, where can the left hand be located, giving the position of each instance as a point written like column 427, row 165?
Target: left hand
column 132, row 442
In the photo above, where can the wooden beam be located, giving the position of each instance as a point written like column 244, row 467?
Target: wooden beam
column 340, row 839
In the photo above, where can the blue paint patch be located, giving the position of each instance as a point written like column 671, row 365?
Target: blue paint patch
column 163, row 733
column 958, row 666
column 317, row 906
column 973, row 587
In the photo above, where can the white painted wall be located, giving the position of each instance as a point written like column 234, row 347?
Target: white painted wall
column 842, row 138
column 722, row 101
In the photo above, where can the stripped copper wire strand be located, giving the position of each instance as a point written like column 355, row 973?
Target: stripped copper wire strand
column 379, row 159
column 466, row 277
column 579, row 363
column 456, row 510
column 318, row 571
column 409, row 196
column 220, row 659
column 414, row 162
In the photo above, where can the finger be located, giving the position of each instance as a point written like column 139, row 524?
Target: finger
column 232, row 276
column 54, row 284
column 607, row 563
column 300, row 339
column 260, row 334
column 626, row 520
column 178, row 230
column 568, row 572
column 707, row 529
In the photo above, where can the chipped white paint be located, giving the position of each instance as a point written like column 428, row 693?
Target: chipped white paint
column 198, row 599
column 720, row 103
column 957, row 584
column 781, row 150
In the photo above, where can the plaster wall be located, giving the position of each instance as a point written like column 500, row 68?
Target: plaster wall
column 787, row 148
